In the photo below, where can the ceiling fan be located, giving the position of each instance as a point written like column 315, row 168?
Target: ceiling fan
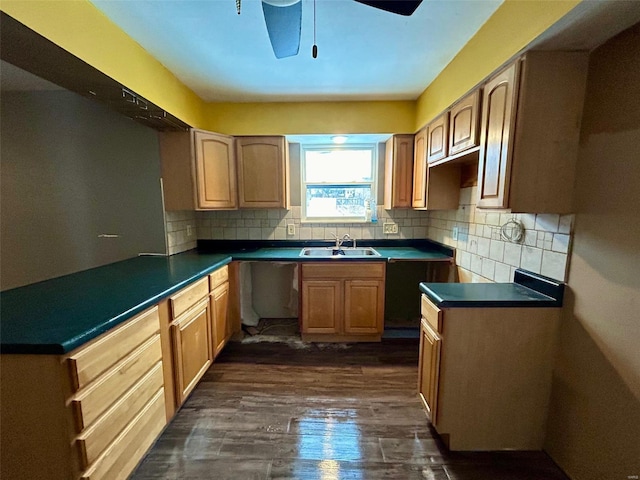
column 284, row 21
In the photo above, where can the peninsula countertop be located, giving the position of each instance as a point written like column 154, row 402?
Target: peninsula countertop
column 58, row 315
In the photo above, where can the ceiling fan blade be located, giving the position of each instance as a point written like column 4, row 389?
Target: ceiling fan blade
column 401, row 7
column 283, row 25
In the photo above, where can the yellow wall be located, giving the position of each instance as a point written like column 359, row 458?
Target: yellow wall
column 80, row 28
column 511, row 28
column 311, row 117
column 77, row 26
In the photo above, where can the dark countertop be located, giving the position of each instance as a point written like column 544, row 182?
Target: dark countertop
column 528, row 290
column 58, row 315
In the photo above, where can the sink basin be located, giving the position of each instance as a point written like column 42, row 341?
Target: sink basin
column 338, row 253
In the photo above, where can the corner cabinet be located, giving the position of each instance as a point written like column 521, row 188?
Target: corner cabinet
column 198, row 171
column 342, row 302
column 398, row 172
column 530, row 128
column 483, row 386
column 263, row 172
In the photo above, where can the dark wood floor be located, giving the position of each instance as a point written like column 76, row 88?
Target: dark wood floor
column 267, row 411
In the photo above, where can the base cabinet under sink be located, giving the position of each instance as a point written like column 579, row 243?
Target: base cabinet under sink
column 485, row 374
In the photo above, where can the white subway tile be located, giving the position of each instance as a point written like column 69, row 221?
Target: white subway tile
column 484, row 245
column 502, row 273
column 306, row 233
column 566, row 224
column 531, row 259
column 488, row 268
column 530, row 238
column 528, row 220
column 554, row 265
column 512, row 253
column 496, row 250
column 476, row 264
column 493, row 219
column 547, row 222
column 255, row 233
column 464, row 259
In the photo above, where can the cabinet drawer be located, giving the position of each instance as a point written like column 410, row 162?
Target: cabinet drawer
column 343, row 270
column 219, row 276
column 93, row 441
column 90, row 362
column 188, row 297
column 124, row 453
column 89, row 403
column 432, row 313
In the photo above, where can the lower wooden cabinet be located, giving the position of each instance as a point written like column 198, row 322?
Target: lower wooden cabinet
column 429, row 369
column 90, row 414
column 222, row 330
column 485, row 374
column 192, row 351
column 342, row 302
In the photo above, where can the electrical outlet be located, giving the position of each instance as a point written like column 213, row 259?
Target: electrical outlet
column 455, row 232
column 189, row 231
column 390, row 228
column 291, row 229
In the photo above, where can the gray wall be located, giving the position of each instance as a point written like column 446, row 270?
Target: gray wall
column 594, row 416
column 72, row 169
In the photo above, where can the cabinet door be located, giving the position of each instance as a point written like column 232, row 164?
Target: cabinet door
column 363, row 306
column 262, row 172
column 419, row 169
column 321, row 306
column 192, row 348
column 499, row 102
column 219, row 316
column 438, row 138
column 429, row 369
column 215, row 171
column 398, row 172
column 463, row 124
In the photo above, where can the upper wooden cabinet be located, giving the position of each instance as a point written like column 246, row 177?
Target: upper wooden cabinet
column 437, row 138
column 529, row 133
column 418, row 200
column 263, row 172
column 198, row 171
column 398, row 172
column 463, row 123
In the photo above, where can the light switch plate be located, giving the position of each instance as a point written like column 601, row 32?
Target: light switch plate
column 455, row 232
column 291, row 229
column 389, row 228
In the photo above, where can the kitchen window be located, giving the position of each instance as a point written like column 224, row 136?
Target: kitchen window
column 338, row 183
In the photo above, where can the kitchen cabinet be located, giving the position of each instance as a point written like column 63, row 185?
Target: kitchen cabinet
column 191, row 337
column 463, row 123
column 220, row 325
column 198, row 171
column 530, row 131
column 263, row 172
column 342, row 302
column 92, row 413
column 398, row 172
column 419, row 200
column 485, row 374
column 438, row 138
column 429, row 369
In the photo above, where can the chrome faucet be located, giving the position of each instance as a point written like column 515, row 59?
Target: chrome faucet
column 347, row 237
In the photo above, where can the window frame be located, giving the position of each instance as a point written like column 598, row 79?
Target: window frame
column 373, row 147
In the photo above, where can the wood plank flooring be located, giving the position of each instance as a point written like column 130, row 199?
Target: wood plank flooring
column 272, row 411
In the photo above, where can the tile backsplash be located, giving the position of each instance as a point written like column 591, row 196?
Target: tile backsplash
column 181, row 231
column 272, row 225
column 481, row 249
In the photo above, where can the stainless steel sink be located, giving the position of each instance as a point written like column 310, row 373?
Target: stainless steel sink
column 333, row 252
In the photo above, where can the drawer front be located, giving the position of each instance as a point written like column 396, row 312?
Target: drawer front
column 89, row 362
column 346, row 270
column 432, row 313
column 88, row 404
column 189, row 296
column 219, row 276
column 124, row 453
column 94, row 440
